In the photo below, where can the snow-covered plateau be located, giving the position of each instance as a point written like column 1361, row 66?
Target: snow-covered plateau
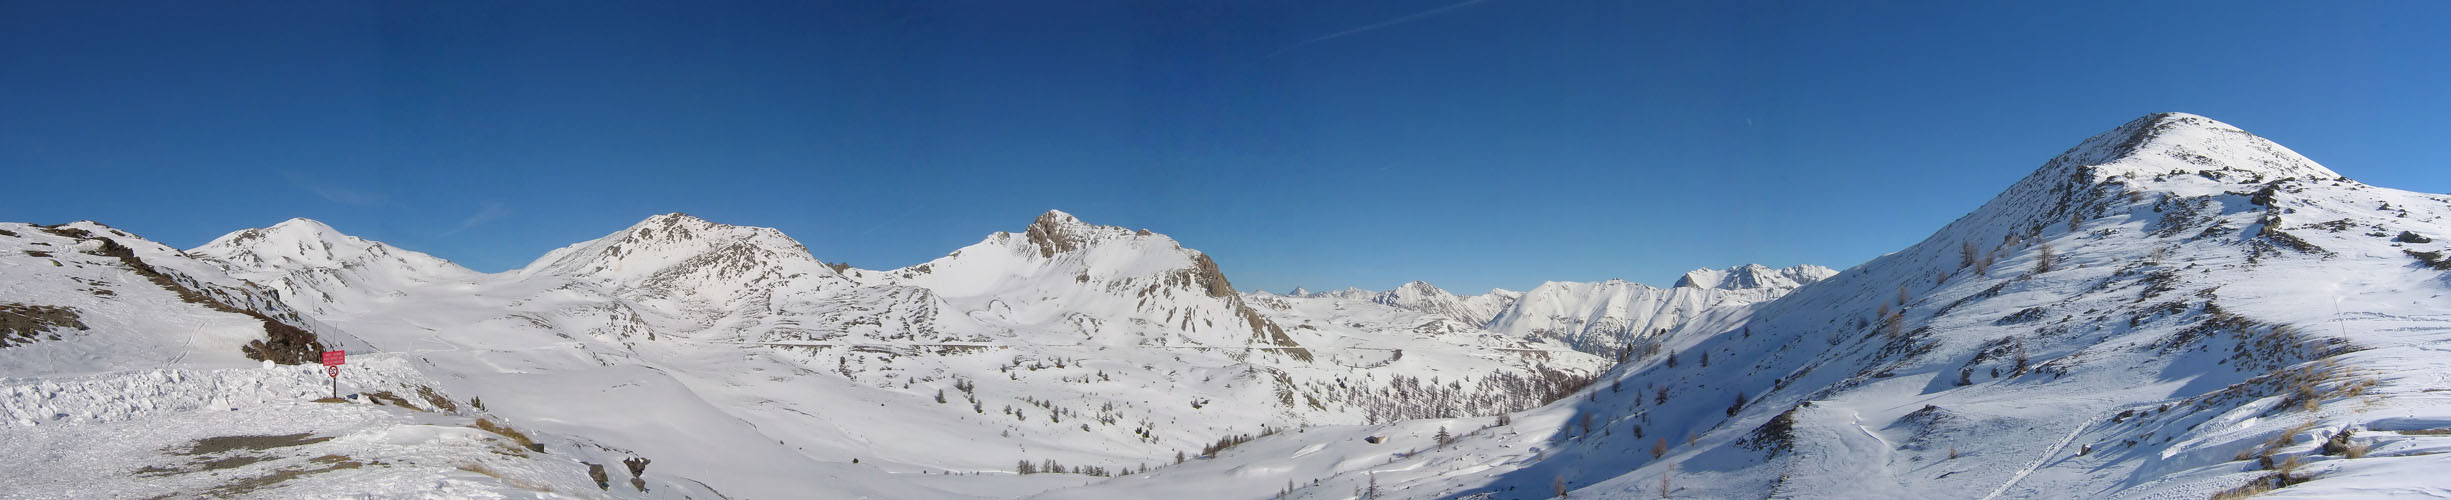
column 2175, row 308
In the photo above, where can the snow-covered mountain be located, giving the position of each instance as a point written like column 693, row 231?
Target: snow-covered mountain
column 2175, row 308
column 306, row 262
column 1600, row 318
column 1476, row 309
column 1607, row 317
column 1097, row 349
column 1754, row 276
column 1087, row 283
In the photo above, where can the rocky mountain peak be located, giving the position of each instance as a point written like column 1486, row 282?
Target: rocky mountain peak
column 1056, row 232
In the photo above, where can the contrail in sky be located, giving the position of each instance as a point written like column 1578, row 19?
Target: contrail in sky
column 1381, row 24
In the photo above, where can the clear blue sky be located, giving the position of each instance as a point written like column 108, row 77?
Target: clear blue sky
column 1497, row 143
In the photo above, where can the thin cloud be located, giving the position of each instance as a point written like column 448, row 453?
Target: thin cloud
column 332, row 193
column 491, row 210
column 1381, row 24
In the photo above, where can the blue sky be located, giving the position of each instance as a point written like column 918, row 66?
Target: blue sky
column 1496, row 143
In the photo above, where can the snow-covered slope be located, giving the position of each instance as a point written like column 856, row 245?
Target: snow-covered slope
column 135, row 370
column 84, row 297
column 2172, row 309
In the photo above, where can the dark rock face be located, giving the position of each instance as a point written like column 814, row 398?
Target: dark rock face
column 21, row 323
column 1049, row 233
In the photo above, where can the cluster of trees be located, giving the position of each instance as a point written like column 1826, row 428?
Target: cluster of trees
column 1229, row 441
column 1050, row 466
column 1055, row 413
column 1407, row 398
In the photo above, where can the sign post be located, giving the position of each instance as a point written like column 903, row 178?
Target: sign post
column 331, row 365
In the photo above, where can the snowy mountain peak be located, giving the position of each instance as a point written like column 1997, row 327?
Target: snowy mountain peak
column 1754, row 276
column 1059, row 247
column 302, row 243
column 303, row 224
column 2163, row 143
column 677, row 243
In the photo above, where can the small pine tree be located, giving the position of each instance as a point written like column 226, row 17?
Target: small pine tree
column 1739, row 406
column 1558, row 486
column 1443, row 437
column 2044, row 259
column 1659, row 448
column 940, row 396
column 1664, row 489
column 1706, row 359
column 1672, row 360
column 2022, row 361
